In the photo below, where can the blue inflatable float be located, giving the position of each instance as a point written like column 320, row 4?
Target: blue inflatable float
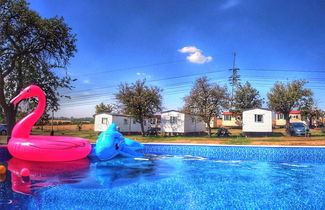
column 111, row 143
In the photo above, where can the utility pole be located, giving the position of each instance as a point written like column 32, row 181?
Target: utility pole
column 234, row 78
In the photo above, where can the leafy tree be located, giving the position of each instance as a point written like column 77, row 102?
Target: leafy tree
column 246, row 97
column 309, row 110
column 32, row 51
column 104, row 108
column 139, row 100
column 284, row 97
column 206, row 100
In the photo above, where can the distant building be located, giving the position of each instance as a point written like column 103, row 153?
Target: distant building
column 215, row 122
column 295, row 116
column 230, row 119
column 178, row 123
column 124, row 123
column 257, row 122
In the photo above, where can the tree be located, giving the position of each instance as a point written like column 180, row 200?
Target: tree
column 309, row 110
column 206, row 100
column 284, row 97
column 139, row 100
column 32, row 50
column 104, row 108
column 246, row 97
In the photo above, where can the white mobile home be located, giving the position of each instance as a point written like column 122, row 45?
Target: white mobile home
column 257, row 122
column 124, row 123
column 175, row 122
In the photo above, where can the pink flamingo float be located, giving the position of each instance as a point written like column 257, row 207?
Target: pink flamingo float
column 24, row 146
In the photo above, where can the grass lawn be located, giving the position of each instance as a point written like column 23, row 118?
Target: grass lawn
column 279, row 138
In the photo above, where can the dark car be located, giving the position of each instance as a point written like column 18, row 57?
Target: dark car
column 3, row 129
column 298, row 129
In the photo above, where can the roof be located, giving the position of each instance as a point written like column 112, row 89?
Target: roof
column 295, row 112
column 230, row 113
column 113, row 114
column 257, row 108
column 172, row 110
column 292, row 112
column 179, row 112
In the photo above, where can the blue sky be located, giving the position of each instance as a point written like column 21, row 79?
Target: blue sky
column 168, row 41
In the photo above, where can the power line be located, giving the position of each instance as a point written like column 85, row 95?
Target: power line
column 285, row 70
column 133, row 67
column 156, row 80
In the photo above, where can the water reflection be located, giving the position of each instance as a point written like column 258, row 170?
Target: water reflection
column 124, row 171
column 45, row 174
column 83, row 174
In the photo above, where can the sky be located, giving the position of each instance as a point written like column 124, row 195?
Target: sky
column 171, row 43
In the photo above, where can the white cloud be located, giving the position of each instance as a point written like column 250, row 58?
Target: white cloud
column 140, row 74
column 196, row 55
column 229, row 4
column 189, row 49
column 86, row 81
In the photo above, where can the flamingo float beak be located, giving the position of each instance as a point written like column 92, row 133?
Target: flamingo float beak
column 17, row 99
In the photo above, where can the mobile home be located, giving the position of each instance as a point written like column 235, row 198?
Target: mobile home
column 230, row 119
column 124, row 123
column 178, row 123
column 257, row 122
column 295, row 116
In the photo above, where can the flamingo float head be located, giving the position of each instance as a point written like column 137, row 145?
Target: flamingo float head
column 28, row 92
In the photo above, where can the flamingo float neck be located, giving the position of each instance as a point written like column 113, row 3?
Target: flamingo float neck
column 23, row 128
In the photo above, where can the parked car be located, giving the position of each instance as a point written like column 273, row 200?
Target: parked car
column 298, row 129
column 3, row 129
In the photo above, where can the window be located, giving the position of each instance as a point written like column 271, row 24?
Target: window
column 134, row 122
column 193, row 120
column 104, row 121
column 125, row 121
column 172, row 119
column 258, row 118
column 280, row 116
column 293, row 116
column 144, row 122
column 152, row 120
column 227, row 117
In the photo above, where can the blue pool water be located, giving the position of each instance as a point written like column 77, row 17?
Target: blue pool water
column 174, row 177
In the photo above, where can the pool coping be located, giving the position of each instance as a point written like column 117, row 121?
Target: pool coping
column 231, row 145
column 219, row 145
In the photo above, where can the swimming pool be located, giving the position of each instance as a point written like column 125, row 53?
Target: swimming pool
column 175, row 177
